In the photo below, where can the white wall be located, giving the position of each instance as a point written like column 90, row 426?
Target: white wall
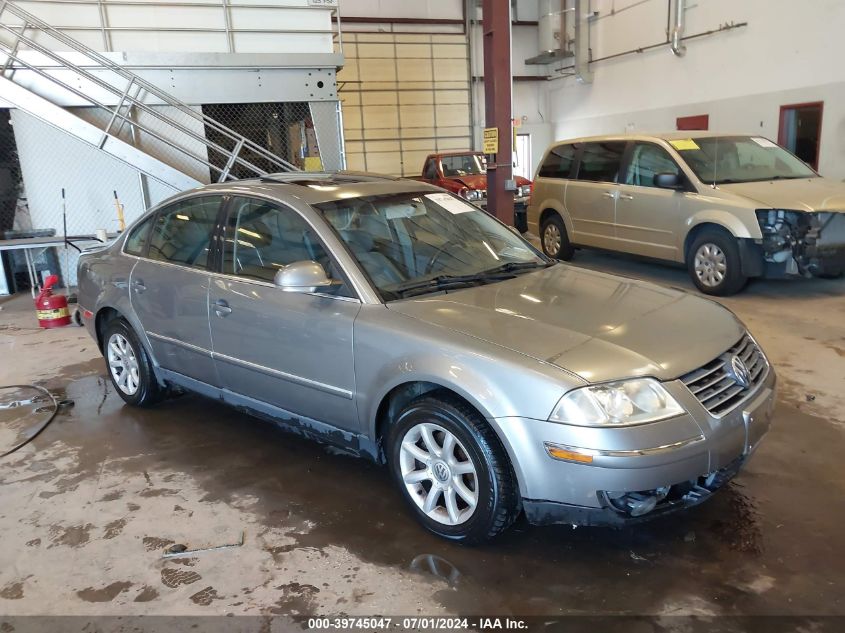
column 789, row 53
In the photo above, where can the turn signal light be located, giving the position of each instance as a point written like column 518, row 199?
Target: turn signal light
column 571, row 456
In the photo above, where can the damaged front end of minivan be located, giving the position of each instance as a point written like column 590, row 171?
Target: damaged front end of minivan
column 809, row 244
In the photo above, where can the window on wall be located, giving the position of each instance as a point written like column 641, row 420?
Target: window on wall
column 696, row 122
column 800, row 130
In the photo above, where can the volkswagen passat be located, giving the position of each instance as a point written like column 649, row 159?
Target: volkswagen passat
column 406, row 325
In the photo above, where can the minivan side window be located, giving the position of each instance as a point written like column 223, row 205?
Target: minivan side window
column 558, row 163
column 600, row 161
column 648, row 160
column 182, row 232
column 136, row 243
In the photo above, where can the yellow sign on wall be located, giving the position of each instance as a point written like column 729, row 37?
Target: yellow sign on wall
column 491, row 140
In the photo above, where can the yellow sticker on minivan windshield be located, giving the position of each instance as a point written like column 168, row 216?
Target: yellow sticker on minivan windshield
column 684, row 144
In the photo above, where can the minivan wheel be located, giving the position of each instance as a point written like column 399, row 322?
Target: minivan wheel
column 554, row 238
column 714, row 264
column 451, row 469
column 129, row 366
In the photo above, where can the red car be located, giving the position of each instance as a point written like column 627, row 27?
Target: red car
column 465, row 173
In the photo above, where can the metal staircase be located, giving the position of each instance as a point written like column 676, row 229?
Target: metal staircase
column 134, row 120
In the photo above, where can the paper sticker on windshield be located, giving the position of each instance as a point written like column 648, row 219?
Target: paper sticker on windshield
column 684, row 144
column 452, row 205
column 763, row 142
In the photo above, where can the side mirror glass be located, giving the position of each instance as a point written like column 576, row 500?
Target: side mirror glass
column 667, row 181
column 303, row 276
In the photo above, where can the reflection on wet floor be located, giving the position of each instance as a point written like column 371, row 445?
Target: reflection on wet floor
column 770, row 542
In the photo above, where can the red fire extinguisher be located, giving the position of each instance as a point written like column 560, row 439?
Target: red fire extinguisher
column 51, row 309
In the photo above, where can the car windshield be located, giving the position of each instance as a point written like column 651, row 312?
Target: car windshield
column 415, row 243
column 731, row 159
column 463, row 165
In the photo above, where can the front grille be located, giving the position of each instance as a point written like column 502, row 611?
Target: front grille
column 714, row 385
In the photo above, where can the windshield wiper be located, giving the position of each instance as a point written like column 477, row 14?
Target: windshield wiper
column 512, row 267
column 450, row 282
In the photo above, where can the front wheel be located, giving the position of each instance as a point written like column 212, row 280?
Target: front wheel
column 452, row 470
column 715, row 265
column 129, row 365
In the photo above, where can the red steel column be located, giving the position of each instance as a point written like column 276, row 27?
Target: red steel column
column 496, row 25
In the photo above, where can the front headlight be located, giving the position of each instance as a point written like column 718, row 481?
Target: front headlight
column 622, row 403
column 473, row 195
column 524, row 191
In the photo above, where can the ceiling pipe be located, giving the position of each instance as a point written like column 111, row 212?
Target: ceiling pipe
column 677, row 45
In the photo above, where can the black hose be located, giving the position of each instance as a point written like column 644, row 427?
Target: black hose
column 56, row 405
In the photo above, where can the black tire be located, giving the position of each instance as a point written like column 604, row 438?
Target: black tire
column 551, row 229
column 724, row 247
column 498, row 500
column 148, row 391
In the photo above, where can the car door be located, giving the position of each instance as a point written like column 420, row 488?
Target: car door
column 648, row 218
column 286, row 349
column 169, row 287
column 591, row 197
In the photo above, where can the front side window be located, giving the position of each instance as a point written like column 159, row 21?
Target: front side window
column 136, row 243
column 431, row 169
column 600, row 161
column 648, row 160
column 182, row 232
column 558, row 163
column 463, row 165
column 424, row 242
column 261, row 238
column 731, row 159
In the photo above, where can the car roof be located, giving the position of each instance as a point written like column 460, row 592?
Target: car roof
column 650, row 136
column 318, row 187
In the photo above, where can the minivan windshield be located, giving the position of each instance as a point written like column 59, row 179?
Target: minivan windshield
column 731, row 159
column 416, row 243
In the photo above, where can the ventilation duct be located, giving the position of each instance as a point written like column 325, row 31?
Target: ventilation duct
column 551, row 27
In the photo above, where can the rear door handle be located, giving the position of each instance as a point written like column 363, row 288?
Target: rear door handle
column 139, row 286
column 221, row 308
column 625, row 196
column 609, row 194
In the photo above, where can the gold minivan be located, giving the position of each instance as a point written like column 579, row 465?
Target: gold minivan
column 730, row 207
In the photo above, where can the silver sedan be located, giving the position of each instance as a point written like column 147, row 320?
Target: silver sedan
column 403, row 324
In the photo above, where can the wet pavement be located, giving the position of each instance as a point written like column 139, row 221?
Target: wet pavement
column 88, row 508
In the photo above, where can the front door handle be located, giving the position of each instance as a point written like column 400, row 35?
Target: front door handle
column 609, row 194
column 138, row 286
column 625, row 196
column 221, row 308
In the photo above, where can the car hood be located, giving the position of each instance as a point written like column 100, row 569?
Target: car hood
column 598, row 326
column 479, row 181
column 805, row 194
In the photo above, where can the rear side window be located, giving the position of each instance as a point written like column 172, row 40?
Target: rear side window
column 600, row 161
column 558, row 163
column 182, row 232
column 136, row 243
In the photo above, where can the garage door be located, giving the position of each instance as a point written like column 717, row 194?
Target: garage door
column 404, row 96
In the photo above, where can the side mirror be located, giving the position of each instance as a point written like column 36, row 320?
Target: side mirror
column 304, row 276
column 667, row 181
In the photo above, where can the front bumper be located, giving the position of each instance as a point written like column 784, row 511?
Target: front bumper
column 686, row 458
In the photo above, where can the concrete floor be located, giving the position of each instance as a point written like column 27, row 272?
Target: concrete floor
column 89, row 506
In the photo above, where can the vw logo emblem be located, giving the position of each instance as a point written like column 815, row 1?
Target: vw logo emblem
column 739, row 372
column 441, row 471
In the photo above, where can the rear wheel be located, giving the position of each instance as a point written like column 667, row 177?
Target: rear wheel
column 452, row 470
column 554, row 238
column 129, row 366
column 714, row 263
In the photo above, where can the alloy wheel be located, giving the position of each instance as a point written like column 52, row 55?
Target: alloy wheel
column 710, row 265
column 551, row 239
column 123, row 364
column 438, row 474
